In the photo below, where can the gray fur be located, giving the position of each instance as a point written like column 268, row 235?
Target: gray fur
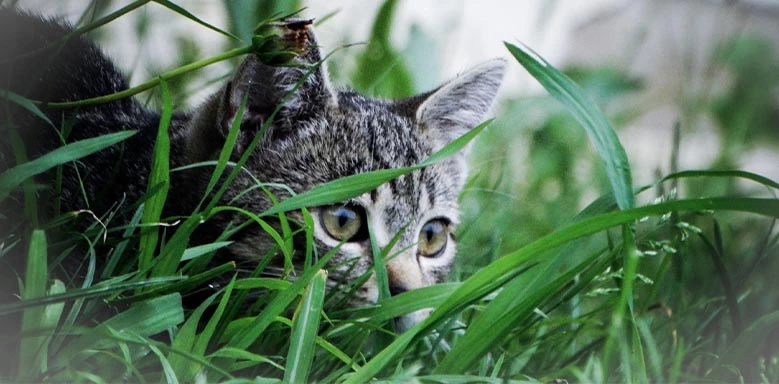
column 319, row 135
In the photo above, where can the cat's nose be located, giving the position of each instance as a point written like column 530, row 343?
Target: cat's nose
column 396, row 289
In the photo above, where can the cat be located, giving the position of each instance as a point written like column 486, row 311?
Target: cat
column 318, row 134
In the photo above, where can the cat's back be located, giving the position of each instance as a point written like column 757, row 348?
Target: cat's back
column 47, row 61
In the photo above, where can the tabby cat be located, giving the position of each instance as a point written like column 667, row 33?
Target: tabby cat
column 318, row 134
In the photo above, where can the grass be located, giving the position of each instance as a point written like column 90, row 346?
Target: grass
column 680, row 289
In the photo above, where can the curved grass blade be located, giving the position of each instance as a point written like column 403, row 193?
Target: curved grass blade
column 404, row 303
column 200, row 250
column 723, row 173
column 188, row 341
column 183, row 12
column 186, row 282
column 305, row 327
column 506, row 268
column 14, row 177
column 589, row 116
column 24, row 103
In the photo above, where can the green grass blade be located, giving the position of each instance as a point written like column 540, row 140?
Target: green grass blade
column 200, row 250
column 226, row 152
column 86, row 293
column 36, row 279
column 159, row 179
column 345, row 188
column 184, row 284
column 504, row 269
column 724, row 173
column 588, row 115
column 25, row 103
column 183, row 12
column 240, row 354
column 379, row 269
column 405, row 303
column 305, row 327
column 51, row 317
column 167, row 369
column 14, row 177
column 185, row 340
column 188, row 341
column 271, row 283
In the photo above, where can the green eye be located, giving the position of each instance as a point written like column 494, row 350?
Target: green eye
column 433, row 237
column 343, row 222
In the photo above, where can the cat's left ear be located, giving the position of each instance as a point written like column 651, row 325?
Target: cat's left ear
column 460, row 104
column 289, row 83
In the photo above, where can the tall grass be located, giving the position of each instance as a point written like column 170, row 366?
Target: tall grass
column 678, row 290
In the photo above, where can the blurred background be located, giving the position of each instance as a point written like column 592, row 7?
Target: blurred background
column 688, row 85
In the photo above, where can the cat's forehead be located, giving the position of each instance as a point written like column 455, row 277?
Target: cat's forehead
column 373, row 132
column 360, row 135
column 372, row 117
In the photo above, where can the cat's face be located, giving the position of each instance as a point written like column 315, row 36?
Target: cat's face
column 320, row 135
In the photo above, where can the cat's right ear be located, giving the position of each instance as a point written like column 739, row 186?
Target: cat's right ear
column 299, row 89
column 460, row 104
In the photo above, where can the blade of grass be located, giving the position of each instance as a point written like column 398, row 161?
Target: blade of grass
column 25, row 103
column 724, row 173
column 200, row 250
column 14, row 177
column 182, row 285
column 188, row 342
column 404, row 303
column 51, row 317
column 36, row 278
column 305, row 327
column 183, row 12
column 153, row 83
column 379, row 269
column 588, row 115
column 88, row 293
column 240, row 354
column 158, row 179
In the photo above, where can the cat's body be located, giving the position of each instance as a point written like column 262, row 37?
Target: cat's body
column 317, row 136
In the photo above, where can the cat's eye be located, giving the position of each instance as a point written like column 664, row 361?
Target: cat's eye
column 433, row 237
column 344, row 222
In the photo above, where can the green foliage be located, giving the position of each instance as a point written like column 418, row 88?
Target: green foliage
column 381, row 71
column 681, row 289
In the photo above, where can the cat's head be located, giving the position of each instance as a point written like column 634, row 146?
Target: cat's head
column 321, row 134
